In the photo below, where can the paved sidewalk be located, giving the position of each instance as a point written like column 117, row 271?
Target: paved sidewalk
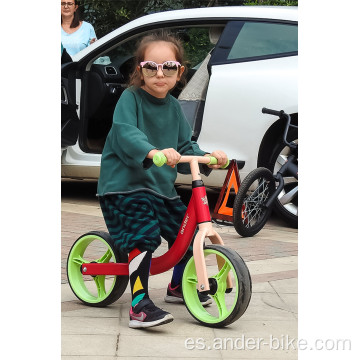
column 270, row 320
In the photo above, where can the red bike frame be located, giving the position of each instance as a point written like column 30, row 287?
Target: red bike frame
column 197, row 214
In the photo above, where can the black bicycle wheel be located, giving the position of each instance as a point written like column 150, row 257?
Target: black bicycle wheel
column 249, row 213
column 229, row 304
column 100, row 290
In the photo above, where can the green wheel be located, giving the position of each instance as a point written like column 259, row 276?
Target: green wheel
column 228, row 304
column 100, row 290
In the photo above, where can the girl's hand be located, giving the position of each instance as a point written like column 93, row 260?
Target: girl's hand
column 221, row 158
column 92, row 40
column 172, row 156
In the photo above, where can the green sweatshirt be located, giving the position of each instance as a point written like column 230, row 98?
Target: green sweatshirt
column 142, row 123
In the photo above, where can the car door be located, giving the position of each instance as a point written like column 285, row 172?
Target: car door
column 69, row 117
column 254, row 65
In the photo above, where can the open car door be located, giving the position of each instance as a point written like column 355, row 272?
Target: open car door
column 69, row 116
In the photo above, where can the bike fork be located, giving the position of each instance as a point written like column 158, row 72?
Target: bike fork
column 206, row 230
column 203, row 218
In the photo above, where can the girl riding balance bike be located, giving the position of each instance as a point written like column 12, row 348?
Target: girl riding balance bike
column 140, row 206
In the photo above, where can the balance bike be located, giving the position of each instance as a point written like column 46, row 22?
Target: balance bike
column 261, row 189
column 98, row 273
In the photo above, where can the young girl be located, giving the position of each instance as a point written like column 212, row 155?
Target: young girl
column 138, row 200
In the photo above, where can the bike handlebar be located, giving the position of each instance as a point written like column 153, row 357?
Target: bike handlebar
column 272, row 112
column 160, row 159
column 284, row 115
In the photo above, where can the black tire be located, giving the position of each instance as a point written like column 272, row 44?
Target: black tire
column 230, row 304
column 287, row 210
column 92, row 290
column 249, row 213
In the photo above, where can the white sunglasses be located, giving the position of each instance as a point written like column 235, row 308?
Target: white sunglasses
column 169, row 68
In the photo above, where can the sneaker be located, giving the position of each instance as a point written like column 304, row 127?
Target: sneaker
column 145, row 314
column 174, row 295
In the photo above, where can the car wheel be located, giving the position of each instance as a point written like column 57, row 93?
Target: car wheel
column 286, row 205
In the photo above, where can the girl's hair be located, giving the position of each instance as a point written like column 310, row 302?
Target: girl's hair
column 135, row 77
column 76, row 20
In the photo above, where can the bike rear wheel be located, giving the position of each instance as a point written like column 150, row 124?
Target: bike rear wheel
column 249, row 213
column 230, row 304
column 100, row 290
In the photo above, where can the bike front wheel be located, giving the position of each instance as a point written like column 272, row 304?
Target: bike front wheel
column 230, row 304
column 249, row 211
column 100, row 290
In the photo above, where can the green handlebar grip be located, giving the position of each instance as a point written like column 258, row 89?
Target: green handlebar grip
column 159, row 159
column 226, row 165
column 213, row 160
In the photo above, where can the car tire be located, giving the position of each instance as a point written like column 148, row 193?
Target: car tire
column 288, row 211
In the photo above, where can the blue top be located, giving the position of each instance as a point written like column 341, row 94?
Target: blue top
column 79, row 39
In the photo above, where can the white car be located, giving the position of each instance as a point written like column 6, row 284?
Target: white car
column 240, row 59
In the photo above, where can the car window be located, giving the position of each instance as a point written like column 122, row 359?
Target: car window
column 197, row 44
column 197, row 41
column 260, row 39
column 118, row 54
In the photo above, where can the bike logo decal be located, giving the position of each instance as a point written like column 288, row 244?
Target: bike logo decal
column 140, row 317
column 184, row 224
column 204, row 200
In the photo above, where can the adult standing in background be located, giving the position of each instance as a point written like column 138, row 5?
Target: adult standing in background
column 75, row 34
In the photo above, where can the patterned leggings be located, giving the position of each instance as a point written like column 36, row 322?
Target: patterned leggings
column 140, row 219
